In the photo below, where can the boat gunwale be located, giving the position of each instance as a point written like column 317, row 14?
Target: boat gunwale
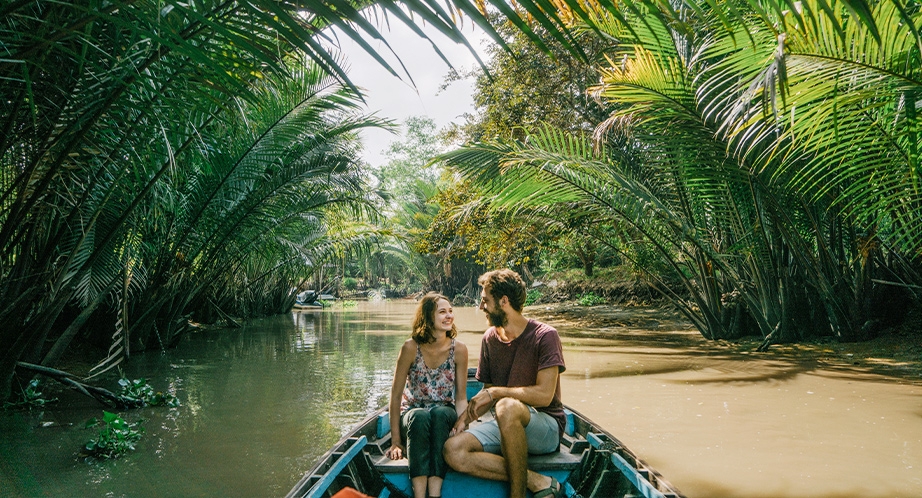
column 367, row 428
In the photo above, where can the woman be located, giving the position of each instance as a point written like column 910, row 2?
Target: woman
column 429, row 392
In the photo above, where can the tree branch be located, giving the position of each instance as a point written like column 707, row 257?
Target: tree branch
column 104, row 396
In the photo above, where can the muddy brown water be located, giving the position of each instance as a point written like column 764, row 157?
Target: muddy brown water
column 262, row 403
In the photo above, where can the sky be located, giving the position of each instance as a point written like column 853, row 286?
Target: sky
column 389, row 97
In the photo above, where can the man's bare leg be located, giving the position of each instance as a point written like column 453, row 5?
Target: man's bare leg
column 464, row 453
column 512, row 416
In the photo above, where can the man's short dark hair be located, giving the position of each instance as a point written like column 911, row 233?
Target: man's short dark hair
column 507, row 283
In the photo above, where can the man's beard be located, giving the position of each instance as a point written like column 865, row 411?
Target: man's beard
column 497, row 318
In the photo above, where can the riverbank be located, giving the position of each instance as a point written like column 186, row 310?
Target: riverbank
column 895, row 352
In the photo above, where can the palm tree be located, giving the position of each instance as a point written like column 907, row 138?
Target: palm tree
column 729, row 158
column 264, row 211
column 147, row 144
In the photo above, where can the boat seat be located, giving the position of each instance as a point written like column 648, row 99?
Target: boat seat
column 560, row 460
column 567, row 458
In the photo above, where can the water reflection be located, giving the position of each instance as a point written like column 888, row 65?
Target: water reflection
column 259, row 405
column 307, row 335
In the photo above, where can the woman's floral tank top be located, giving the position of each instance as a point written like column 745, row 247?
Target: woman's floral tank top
column 430, row 386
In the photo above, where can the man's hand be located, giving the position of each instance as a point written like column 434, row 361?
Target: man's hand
column 479, row 404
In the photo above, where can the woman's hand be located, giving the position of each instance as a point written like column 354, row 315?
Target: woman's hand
column 459, row 427
column 395, row 452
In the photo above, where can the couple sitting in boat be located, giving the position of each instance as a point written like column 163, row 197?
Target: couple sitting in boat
column 520, row 361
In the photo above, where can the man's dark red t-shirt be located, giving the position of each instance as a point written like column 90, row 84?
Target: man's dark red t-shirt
column 516, row 363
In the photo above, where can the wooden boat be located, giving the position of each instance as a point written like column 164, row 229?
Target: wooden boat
column 591, row 463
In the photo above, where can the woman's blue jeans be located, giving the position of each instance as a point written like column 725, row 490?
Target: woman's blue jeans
column 425, row 431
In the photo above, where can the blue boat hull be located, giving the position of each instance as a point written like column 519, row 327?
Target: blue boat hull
column 591, row 463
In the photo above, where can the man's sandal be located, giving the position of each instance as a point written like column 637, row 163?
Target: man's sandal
column 555, row 490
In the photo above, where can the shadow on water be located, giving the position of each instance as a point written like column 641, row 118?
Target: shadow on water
column 680, row 350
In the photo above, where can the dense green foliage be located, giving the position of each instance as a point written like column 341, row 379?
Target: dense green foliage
column 161, row 161
column 532, row 296
column 403, row 261
column 590, row 299
column 528, row 86
column 167, row 161
column 768, row 160
column 405, row 183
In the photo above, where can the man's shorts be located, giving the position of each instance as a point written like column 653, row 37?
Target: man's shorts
column 542, row 433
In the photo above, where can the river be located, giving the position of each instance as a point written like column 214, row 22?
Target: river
column 261, row 403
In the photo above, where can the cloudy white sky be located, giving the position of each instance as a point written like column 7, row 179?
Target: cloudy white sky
column 392, row 98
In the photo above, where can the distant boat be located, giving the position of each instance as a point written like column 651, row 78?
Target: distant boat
column 591, row 463
column 310, row 299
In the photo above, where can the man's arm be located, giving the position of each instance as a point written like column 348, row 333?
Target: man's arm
column 539, row 395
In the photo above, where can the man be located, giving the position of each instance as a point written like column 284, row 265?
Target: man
column 520, row 363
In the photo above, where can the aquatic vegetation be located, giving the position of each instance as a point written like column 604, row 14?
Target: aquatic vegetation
column 32, row 396
column 142, row 392
column 116, row 438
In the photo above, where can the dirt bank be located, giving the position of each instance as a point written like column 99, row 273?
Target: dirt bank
column 896, row 352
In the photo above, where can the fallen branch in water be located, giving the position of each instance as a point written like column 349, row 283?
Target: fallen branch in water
column 104, row 396
column 227, row 318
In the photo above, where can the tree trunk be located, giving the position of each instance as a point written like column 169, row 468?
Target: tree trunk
column 587, row 258
column 60, row 346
